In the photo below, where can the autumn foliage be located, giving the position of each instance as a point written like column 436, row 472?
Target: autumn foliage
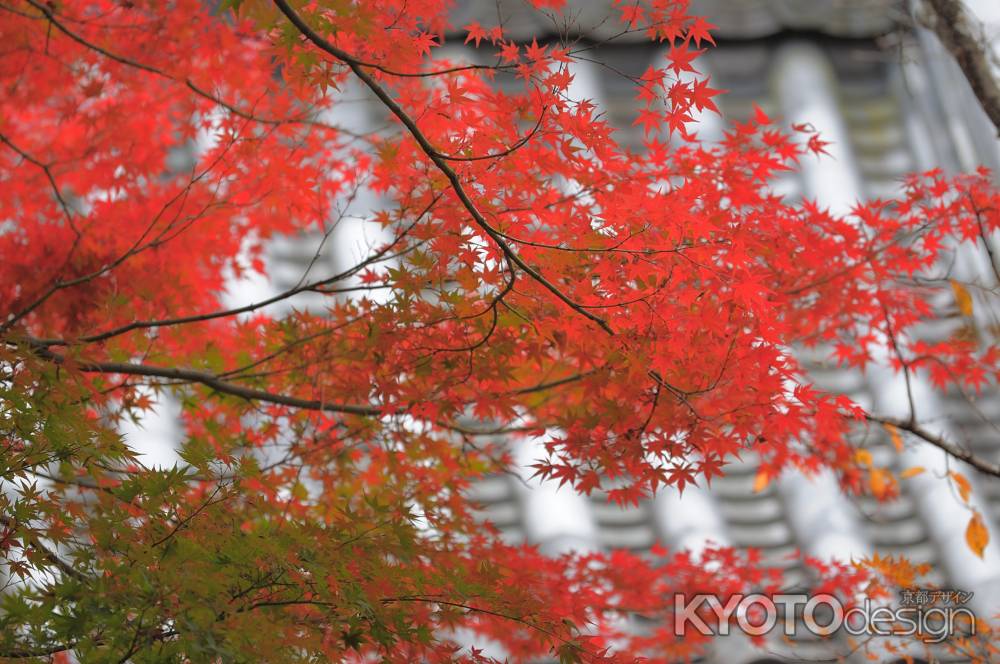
column 640, row 309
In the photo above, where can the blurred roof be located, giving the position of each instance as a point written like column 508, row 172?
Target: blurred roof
column 735, row 19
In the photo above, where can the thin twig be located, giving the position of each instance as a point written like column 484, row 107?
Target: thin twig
column 940, row 442
column 438, row 160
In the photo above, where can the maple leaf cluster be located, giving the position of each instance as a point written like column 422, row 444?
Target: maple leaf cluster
column 535, row 277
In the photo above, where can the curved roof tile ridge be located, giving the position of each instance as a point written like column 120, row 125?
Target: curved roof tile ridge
column 735, row 19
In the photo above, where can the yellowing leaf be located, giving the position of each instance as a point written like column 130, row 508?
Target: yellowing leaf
column 962, row 298
column 863, row 457
column 976, row 535
column 761, row 481
column 913, row 471
column 897, row 440
column 881, row 482
column 897, row 571
column 964, row 488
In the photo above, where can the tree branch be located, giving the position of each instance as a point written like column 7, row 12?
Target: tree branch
column 313, row 286
column 41, row 348
column 32, row 540
column 49, row 15
column 951, row 23
column 203, row 378
column 437, row 158
column 940, row 442
column 31, row 652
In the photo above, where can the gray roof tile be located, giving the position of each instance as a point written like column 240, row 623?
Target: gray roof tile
column 736, row 19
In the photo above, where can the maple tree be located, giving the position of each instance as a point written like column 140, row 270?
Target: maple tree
column 639, row 309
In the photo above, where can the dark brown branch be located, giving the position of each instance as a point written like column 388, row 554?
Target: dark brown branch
column 224, row 387
column 956, row 30
column 206, row 379
column 313, row 286
column 500, row 153
column 541, row 387
column 63, row 204
column 32, row 541
column 940, row 442
column 48, row 14
column 426, row 599
column 438, row 160
column 138, row 246
column 191, row 85
column 183, row 523
column 32, row 652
